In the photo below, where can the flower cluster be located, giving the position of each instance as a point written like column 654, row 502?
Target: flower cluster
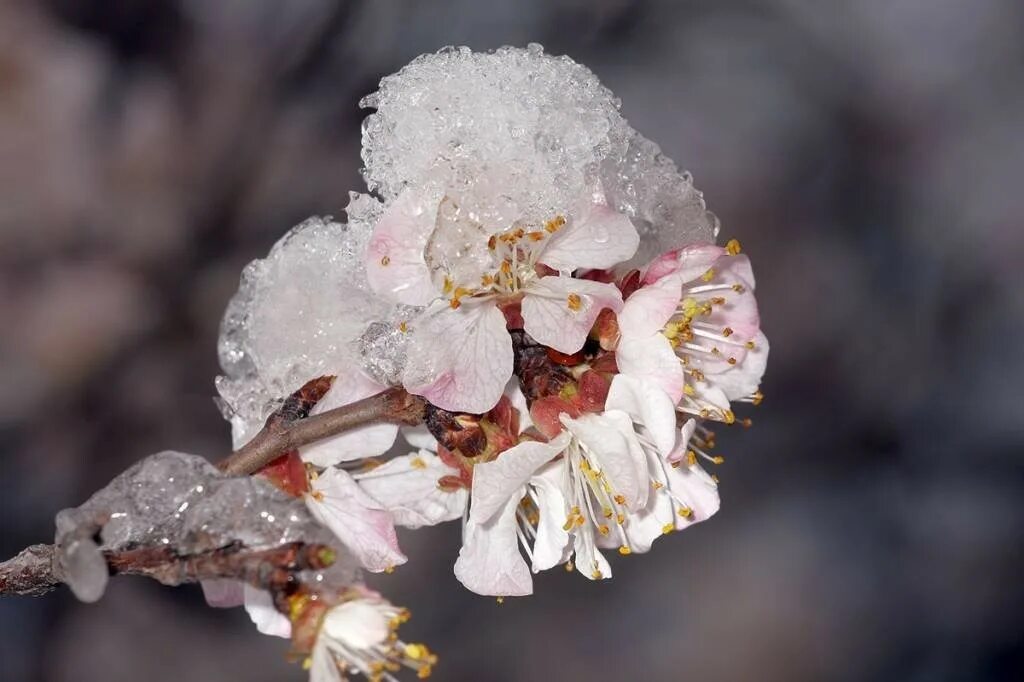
column 550, row 285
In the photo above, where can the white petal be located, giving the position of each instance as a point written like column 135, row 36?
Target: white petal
column 647, row 525
column 683, row 442
column 407, row 487
column 649, row 308
column 609, row 450
column 395, row 267
column 495, row 481
column 223, row 594
column 637, row 456
column 356, row 624
column 359, row 521
column 323, row 668
column 518, row 400
column 364, row 441
column 419, row 437
column 743, row 379
column 697, row 489
column 260, row 607
column 489, row 562
column 600, row 238
column 652, row 359
column 553, row 543
column 589, row 560
column 559, row 311
column 460, row 360
column 647, row 404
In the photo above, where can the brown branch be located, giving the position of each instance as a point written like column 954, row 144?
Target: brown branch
column 279, row 436
column 36, row 571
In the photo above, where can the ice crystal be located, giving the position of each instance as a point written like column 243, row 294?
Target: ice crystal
column 517, row 134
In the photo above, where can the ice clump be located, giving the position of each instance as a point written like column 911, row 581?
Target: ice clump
column 301, row 312
column 517, row 134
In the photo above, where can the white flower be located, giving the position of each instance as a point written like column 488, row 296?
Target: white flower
column 358, row 636
column 693, row 329
column 426, row 251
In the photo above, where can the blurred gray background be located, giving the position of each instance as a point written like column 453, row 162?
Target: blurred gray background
column 868, row 155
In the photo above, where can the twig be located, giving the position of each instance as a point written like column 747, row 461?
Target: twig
column 36, row 571
column 394, row 405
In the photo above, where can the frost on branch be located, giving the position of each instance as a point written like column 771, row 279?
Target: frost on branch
column 182, row 502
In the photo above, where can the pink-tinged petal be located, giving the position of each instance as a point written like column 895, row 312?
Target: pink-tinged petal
column 395, row 267
column 683, row 442
column 600, row 238
column 652, row 359
column 697, row 490
column 223, row 594
column 553, row 543
column 260, row 607
column 364, row 441
column 359, row 521
column 407, row 487
column 489, row 562
column 460, row 360
column 646, row 404
column 742, row 380
column 689, row 262
column 496, row 481
column 559, row 312
column 637, row 456
column 606, row 446
column 649, row 308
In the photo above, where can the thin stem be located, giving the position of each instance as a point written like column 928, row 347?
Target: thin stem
column 394, row 405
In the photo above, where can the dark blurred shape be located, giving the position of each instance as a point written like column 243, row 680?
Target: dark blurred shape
column 867, row 154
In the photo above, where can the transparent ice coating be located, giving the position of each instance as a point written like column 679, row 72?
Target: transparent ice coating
column 517, row 134
column 179, row 500
column 300, row 313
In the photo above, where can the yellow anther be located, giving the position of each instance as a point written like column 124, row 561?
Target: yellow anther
column 607, row 512
column 731, row 361
column 580, row 521
column 758, row 397
column 620, row 499
column 691, row 458
column 657, row 485
column 417, row 463
column 597, row 575
column 506, row 266
column 709, row 275
column 389, row 570
column 714, row 478
column 554, row 224
column 620, row 519
column 455, row 304
column 729, row 417
column 732, row 247
column 716, row 300
column 492, row 242
column 487, row 280
column 685, row 512
column 727, row 332
column 625, row 551
column 747, row 422
column 385, row 261
column 718, row 459
column 424, row 672
column 318, row 496
column 569, row 567
column 575, row 302
column 738, row 288
column 307, row 663
column 535, row 236
column 689, row 389
column 403, row 327
column 448, row 285
column 603, row 529
column 500, row 600
column 667, row 528
column 750, row 345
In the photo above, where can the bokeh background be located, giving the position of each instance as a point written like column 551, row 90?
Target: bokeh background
column 869, row 156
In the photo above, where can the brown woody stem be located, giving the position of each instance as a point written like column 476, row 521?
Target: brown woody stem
column 394, row 405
